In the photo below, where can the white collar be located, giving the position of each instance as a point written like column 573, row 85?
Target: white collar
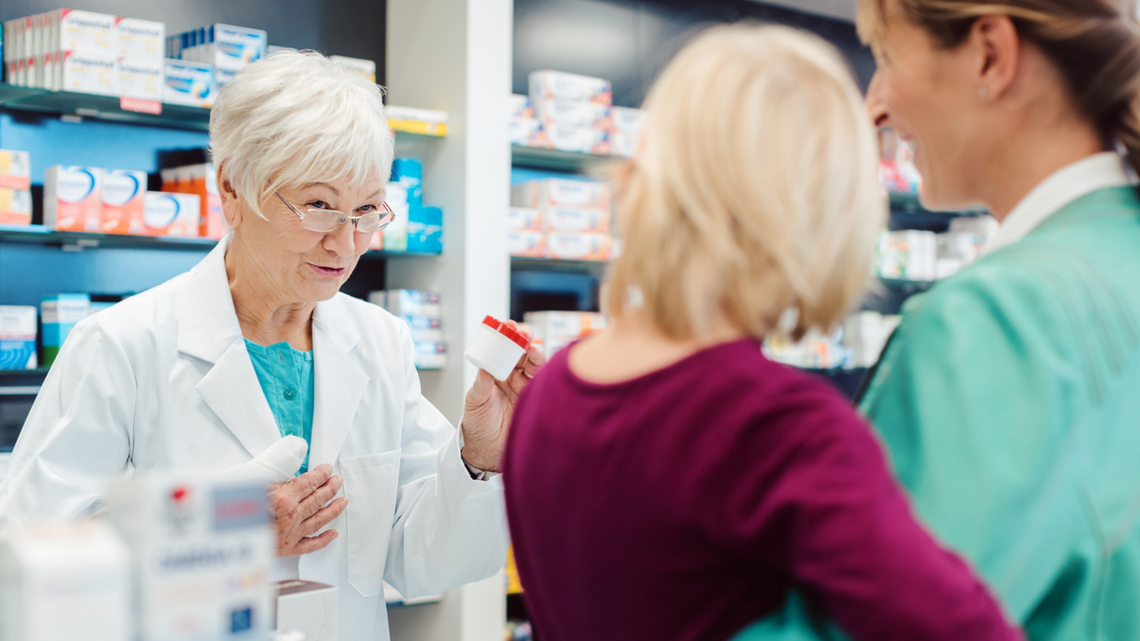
column 1099, row 171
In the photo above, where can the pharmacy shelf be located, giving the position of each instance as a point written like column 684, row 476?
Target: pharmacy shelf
column 907, row 286
column 83, row 105
column 78, row 241
column 592, row 267
column 541, row 158
column 909, row 203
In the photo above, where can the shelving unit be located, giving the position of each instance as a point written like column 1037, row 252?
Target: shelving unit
column 592, row 267
column 555, row 160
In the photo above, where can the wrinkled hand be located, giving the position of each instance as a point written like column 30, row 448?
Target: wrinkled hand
column 489, row 406
column 298, row 509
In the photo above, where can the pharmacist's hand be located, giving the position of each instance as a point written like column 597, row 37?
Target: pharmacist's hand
column 298, row 510
column 489, row 406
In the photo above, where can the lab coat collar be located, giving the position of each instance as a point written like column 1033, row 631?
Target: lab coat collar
column 339, row 381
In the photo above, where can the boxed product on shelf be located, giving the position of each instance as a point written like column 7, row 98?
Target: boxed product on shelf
column 60, row 313
column 424, row 329
column 578, row 245
column 526, row 243
column 572, row 113
column 519, row 106
column 394, row 237
column 583, row 140
column 15, row 169
column 908, row 255
column 980, row 230
column 201, row 180
column 357, row 66
column 171, row 214
column 94, row 72
column 560, row 192
column 409, row 174
column 72, row 30
column 524, row 218
column 546, row 84
column 419, row 121
column 72, row 198
column 17, row 337
column 410, row 302
column 140, row 38
column 527, row 132
column 425, row 230
column 557, row 329
column 124, row 199
column 58, row 576
column 188, row 83
column 226, row 47
column 15, row 206
column 628, row 120
column 624, row 143
column 141, row 78
column 430, row 355
column 865, row 334
column 576, row 219
column 815, row 350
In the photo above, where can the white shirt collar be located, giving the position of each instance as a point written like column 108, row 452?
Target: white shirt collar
column 1099, row 171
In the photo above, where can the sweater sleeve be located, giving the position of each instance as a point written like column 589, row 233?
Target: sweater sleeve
column 835, row 521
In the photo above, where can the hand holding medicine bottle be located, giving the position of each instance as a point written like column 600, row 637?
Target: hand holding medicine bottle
column 490, row 404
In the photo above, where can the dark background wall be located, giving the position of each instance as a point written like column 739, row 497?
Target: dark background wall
column 628, row 41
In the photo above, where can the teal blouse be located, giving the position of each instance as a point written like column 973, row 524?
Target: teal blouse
column 286, row 377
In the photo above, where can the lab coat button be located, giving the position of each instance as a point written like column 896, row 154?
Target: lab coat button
column 290, row 394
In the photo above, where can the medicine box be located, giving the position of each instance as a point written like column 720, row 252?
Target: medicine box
column 140, row 38
column 524, row 218
column 413, row 302
column 548, row 84
column 628, row 120
column 141, row 78
column 526, row 132
column 558, row 192
column 171, row 214
column 226, row 47
column 425, row 230
column 526, row 243
column 418, row 121
column 202, row 181
column 71, row 30
column 307, row 607
column 430, row 355
column 583, row 140
column 573, row 113
column 576, row 219
column 425, row 328
column 519, row 106
column 624, row 143
column 15, row 206
column 394, row 237
column 17, row 337
column 409, row 174
column 578, row 246
column 15, row 169
column 188, row 83
column 60, row 313
column 64, row 580
column 201, row 554
column 124, row 200
column 357, row 66
column 72, row 198
column 94, row 72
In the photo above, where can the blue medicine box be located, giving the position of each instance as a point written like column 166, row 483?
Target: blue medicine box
column 409, row 172
column 425, row 230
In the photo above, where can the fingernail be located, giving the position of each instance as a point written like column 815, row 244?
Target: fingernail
column 336, row 533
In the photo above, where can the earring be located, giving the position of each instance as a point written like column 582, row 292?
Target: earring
column 982, row 93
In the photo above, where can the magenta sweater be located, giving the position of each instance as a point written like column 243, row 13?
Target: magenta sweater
column 686, row 503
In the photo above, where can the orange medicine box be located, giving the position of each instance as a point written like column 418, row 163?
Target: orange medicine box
column 72, row 200
column 124, row 198
column 15, row 206
column 202, row 181
column 168, row 214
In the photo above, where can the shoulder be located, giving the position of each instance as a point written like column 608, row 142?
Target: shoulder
column 138, row 319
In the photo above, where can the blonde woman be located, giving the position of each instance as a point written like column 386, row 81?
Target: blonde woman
column 666, row 481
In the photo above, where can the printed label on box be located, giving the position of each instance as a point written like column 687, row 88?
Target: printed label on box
column 124, row 199
column 168, row 214
column 187, row 83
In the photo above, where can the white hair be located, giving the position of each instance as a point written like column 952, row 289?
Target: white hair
column 295, row 118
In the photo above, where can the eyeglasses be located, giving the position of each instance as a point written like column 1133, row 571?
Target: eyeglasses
column 330, row 220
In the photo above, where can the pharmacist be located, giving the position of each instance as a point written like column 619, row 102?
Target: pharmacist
column 212, row 368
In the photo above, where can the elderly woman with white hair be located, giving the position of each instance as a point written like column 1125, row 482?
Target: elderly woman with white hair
column 233, row 363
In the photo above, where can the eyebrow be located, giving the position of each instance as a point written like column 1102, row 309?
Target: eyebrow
column 336, row 192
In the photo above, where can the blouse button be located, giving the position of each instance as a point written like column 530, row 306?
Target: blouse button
column 290, row 394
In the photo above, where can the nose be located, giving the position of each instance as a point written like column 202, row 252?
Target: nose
column 341, row 242
column 876, row 103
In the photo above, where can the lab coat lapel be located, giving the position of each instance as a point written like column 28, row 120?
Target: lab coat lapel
column 339, row 381
column 208, row 329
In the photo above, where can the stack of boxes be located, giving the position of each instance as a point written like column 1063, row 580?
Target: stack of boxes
column 525, row 129
column 416, row 228
column 423, row 313
column 223, row 47
column 15, row 188
column 555, row 330
column 574, row 111
column 86, row 52
column 200, row 180
column 115, row 201
column 917, row 255
column 865, row 334
column 626, row 131
column 17, row 337
column 559, row 218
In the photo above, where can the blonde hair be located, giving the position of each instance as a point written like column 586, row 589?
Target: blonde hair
column 296, row 118
column 1093, row 43
column 756, row 189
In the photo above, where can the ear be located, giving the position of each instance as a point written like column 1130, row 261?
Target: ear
column 231, row 204
column 997, row 40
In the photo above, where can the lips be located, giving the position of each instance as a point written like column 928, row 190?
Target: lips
column 328, row 271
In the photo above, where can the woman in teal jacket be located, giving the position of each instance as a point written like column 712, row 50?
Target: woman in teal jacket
column 1009, row 398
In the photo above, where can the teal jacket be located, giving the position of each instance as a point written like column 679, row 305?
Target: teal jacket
column 1009, row 404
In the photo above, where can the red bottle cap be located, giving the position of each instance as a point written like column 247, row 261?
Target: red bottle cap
column 517, row 337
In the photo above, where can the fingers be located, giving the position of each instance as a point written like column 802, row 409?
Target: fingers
column 313, row 543
column 323, row 494
column 481, row 389
column 324, row 516
column 307, row 483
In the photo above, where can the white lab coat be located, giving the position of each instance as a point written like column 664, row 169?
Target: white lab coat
column 163, row 380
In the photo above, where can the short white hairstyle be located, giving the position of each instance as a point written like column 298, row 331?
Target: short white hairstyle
column 295, row 118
